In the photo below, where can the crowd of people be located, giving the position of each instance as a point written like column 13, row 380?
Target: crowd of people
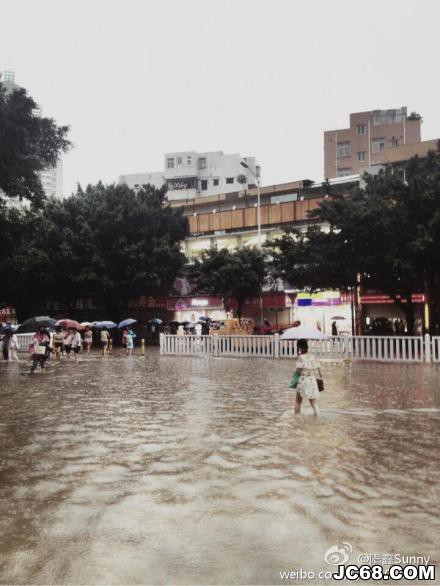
column 64, row 344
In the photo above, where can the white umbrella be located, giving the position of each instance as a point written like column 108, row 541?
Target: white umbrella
column 303, row 333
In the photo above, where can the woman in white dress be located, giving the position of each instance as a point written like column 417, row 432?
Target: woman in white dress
column 307, row 368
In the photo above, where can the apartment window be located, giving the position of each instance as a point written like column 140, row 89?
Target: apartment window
column 361, row 129
column 381, row 117
column 170, row 163
column 216, row 182
column 362, row 156
column 179, row 160
column 189, row 160
column 229, row 180
column 201, row 163
column 344, row 171
column 344, row 149
column 204, row 184
column 377, row 145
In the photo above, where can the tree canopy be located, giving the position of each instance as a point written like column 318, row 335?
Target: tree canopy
column 235, row 275
column 107, row 242
column 387, row 234
column 29, row 144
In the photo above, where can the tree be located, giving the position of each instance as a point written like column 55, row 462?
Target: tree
column 235, row 275
column 29, row 144
column 388, row 233
column 107, row 243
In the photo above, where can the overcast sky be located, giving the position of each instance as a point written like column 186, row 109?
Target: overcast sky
column 137, row 78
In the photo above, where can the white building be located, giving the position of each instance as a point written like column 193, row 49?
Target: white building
column 189, row 174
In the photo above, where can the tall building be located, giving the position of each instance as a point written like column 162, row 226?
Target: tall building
column 52, row 177
column 189, row 174
column 370, row 140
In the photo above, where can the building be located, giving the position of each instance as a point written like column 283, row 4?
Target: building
column 52, row 177
column 373, row 138
column 188, row 175
column 52, row 180
column 230, row 220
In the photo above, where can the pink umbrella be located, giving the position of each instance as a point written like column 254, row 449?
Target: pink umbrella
column 68, row 324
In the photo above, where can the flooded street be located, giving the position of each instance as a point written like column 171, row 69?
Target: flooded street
column 191, row 471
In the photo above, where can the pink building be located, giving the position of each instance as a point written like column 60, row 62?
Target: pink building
column 370, row 140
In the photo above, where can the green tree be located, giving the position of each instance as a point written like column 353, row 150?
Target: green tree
column 388, row 233
column 107, row 243
column 29, row 143
column 235, row 275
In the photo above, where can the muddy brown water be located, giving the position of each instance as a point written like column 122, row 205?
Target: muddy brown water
column 192, row 470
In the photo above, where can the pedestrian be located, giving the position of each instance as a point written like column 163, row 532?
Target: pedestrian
column 40, row 349
column 334, row 329
column 76, row 343
column 130, row 342
column 88, row 339
column 57, row 341
column 307, row 374
column 5, row 345
column 104, row 339
column 14, row 346
column 67, row 342
column 198, row 329
column 124, row 340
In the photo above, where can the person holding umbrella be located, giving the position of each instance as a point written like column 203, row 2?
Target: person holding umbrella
column 40, row 349
column 104, row 337
column 130, row 342
column 88, row 339
column 57, row 341
column 76, row 343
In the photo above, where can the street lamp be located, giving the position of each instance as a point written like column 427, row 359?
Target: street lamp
column 257, row 179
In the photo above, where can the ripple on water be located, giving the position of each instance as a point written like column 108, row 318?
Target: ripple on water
column 188, row 471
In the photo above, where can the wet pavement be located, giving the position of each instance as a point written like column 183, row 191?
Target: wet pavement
column 192, row 470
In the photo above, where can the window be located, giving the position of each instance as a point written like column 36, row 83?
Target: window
column 216, row 182
column 344, row 149
column 179, row 160
column 381, row 117
column 361, row 129
column 170, row 163
column 189, row 160
column 201, row 163
column 344, row 171
column 229, row 180
column 361, row 156
column 377, row 145
column 204, row 184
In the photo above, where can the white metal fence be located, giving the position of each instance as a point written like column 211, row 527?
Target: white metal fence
column 378, row 348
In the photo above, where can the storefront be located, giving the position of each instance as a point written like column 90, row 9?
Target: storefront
column 192, row 307
column 377, row 308
column 321, row 309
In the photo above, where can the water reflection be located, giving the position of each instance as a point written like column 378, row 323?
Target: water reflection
column 186, row 471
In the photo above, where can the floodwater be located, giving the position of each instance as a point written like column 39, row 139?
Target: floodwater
column 193, row 470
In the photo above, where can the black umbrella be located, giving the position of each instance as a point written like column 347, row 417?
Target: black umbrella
column 157, row 321
column 203, row 318
column 32, row 324
column 189, row 324
column 175, row 323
